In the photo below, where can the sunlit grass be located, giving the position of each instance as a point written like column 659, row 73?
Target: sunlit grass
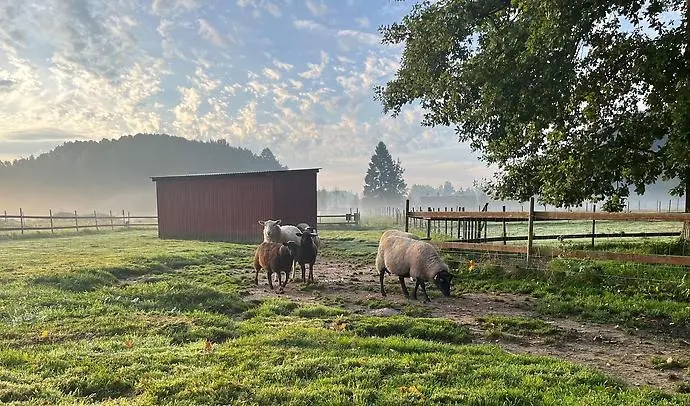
column 126, row 318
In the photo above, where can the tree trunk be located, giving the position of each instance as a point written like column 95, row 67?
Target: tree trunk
column 686, row 225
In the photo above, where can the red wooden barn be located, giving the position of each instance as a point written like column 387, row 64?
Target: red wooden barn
column 228, row 206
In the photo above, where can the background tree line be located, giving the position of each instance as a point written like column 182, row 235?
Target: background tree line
column 116, row 173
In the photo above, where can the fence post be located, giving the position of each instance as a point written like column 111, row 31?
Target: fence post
column 669, row 205
column 407, row 211
column 530, row 229
column 112, row 226
column 428, row 225
column 76, row 221
column 5, row 216
column 459, row 224
column 594, row 224
column 95, row 219
column 504, row 227
column 123, row 218
column 21, row 220
column 50, row 212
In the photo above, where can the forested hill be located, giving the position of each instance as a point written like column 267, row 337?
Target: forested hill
column 116, row 174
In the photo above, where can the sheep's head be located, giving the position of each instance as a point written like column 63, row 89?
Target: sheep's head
column 442, row 281
column 307, row 234
column 271, row 230
column 292, row 247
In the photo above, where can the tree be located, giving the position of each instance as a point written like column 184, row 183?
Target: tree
column 384, row 179
column 447, row 189
column 267, row 155
column 572, row 100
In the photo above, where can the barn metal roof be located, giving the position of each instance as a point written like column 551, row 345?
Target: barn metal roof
column 231, row 174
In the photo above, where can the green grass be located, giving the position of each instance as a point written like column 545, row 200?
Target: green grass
column 641, row 296
column 518, row 328
column 125, row 318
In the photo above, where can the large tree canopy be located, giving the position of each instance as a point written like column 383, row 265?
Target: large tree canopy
column 571, row 99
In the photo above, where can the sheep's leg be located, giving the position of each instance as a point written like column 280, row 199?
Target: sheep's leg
column 303, row 268
column 287, row 276
column 270, row 277
column 257, row 266
column 404, row 288
column 382, row 272
column 280, row 279
column 423, row 285
column 311, row 272
column 256, row 275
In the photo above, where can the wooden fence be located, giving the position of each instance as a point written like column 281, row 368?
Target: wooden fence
column 472, row 235
column 347, row 219
column 24, row 223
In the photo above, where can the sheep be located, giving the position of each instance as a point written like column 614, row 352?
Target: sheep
column 274, row 257
column 405, row 256
column 274, row 232
column 308, row 250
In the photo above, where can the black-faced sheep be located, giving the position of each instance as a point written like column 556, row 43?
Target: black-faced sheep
column 308, row 250
column 275, row 257
column 405, row 256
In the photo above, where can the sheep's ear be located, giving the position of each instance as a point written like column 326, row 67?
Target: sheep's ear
column 299, row 234
column 262, row 222
column 278, row 222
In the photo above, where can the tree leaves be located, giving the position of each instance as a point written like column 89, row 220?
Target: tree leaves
column 571, row 100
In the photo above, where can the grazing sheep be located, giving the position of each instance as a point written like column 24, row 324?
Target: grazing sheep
column 274, row 257
column 409, row 257
column 308, row 250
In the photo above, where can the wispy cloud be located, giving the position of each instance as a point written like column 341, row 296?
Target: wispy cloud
column 317, row 7
column 294, row 76
column 208, row 32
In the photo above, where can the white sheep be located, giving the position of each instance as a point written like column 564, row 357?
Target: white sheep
column 405, row 255
column 274, row 232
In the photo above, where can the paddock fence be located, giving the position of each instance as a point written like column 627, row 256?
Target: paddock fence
column 24, row 223
column 461, row 230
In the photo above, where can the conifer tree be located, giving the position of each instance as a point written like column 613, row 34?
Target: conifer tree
column 384, row 181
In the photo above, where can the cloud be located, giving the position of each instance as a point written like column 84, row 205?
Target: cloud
column 316, row 70
column 260, row 6
column 167, row 6
column 97, row 69
column 309, row 25
column 283, row 65
column 42, row 134
column 6, row 84
column 317, row 8
column 208, row 32
column 271, row 74
column 363, row 22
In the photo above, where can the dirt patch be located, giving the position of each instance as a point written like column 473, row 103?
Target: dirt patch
column 625, row 354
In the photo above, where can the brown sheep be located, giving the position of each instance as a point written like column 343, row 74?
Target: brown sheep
column 275, row 257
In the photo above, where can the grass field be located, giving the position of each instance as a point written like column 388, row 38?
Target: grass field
column 125, row 318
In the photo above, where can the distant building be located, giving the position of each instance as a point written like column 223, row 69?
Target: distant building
column 228, row 206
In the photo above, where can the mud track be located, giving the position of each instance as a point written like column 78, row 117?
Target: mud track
column 619, row 352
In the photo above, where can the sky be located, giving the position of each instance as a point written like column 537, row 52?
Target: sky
column 296, row 76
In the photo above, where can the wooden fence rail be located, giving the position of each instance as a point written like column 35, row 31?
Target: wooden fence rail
column 48, row 223
column 471, row 224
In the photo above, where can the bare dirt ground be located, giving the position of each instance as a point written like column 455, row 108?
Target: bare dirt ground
column 624, row 354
